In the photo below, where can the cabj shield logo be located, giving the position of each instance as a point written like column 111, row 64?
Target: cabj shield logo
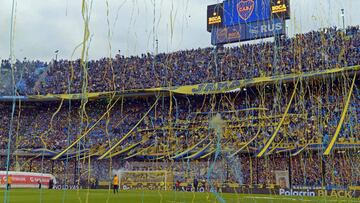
column 245, row 8
column 222, row 35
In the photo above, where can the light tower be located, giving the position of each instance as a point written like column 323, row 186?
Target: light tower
column 343, row 18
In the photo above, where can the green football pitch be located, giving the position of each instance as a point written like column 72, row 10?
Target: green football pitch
column 99, row 196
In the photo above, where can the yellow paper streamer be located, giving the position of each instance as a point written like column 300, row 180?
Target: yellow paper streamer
column 263, row 150
column 346, row 108
column 83, row 135
column 127, row 134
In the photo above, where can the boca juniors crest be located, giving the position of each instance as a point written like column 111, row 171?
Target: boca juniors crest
column 222, row 34
column 245, row 11
column 245, row 8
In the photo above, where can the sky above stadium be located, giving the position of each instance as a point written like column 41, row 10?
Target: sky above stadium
column 41, row 27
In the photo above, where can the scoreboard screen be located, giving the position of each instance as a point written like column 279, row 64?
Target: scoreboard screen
column 245, row 11
column 280, row 9
column 214, row 16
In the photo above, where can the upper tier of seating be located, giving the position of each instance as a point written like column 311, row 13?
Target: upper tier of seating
column 316, row 50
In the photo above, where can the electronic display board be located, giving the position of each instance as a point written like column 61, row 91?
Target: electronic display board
column 214, row 16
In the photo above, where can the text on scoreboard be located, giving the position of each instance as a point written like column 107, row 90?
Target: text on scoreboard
column 214, row 16
column 280, row 9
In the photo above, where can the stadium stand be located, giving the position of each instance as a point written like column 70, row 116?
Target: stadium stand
column 298, row 54
column 251, row 115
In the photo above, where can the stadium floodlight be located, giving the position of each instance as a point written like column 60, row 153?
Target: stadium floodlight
column 157, row 47
column 56, row 54
column 343, row 17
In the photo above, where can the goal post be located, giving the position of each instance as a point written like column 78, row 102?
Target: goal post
column 148, row 180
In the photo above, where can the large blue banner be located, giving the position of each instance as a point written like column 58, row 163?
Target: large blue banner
column 244, row 32
column 245, row 11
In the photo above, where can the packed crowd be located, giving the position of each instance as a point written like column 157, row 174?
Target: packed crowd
column 312, row 118
column 313, row 51
column 309, row 119
column 182, row 122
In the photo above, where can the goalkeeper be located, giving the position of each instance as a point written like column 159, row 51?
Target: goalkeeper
column 116, row 184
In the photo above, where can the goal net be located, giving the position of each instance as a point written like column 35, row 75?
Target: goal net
column 148, row 180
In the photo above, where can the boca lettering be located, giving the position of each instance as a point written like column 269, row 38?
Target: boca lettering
column 278, row 8
column 215, row 20
column 234, row 35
